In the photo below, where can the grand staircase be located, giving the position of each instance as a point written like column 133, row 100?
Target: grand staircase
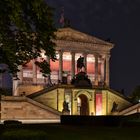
column 45, row 90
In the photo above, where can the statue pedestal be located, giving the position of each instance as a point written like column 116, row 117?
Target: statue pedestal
column 115, row 113
column 66, row 112
column 81, row 80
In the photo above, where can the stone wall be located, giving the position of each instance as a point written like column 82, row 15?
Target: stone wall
column 53, row 99
column 19, row 108
column 131, row 110
column 29, row 89
column 120, row 101
column 46, row 105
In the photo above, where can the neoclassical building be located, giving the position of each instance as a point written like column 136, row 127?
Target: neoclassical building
column 72, row 44
column 35, row 97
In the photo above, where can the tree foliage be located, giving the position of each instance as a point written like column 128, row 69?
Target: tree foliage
column 136, row 93
column 26, row 28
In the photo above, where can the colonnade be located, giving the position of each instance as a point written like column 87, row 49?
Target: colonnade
column 104, row 60
column 104, row 68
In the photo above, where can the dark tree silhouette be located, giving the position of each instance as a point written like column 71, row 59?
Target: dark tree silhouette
column 26, row 28
column 136, row 93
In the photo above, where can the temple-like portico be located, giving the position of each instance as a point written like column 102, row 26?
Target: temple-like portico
column 70, row 45
column 96, row 66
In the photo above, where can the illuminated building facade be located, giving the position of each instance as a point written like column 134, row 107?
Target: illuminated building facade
column 37, row 102
column 72, row 44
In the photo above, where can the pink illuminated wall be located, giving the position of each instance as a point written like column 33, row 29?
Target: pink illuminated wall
column 66, row 65
column 54, row 65
column 91, row 68
column 98, row 104
column 67, row 60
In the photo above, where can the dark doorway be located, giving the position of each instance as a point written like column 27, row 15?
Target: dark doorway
column 84, row 107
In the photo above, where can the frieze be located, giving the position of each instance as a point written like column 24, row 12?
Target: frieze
column 80, row 46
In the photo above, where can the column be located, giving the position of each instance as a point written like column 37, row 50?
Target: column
column 96, row 69
column 72, row 65
column 102, row 70
column 15, row 86
column 85, row 61
column 20, row 74
column 60, row 65
column 14, row 90
column 107, row 70
column 17, row 80
column 34, row 72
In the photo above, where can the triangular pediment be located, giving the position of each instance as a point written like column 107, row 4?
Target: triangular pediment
column 70, row 34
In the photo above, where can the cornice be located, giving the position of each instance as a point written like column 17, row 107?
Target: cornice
column 76, row 46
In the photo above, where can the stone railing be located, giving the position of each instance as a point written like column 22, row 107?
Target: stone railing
column 131, row 110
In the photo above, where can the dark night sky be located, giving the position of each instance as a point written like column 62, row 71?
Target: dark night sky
column 118, row 20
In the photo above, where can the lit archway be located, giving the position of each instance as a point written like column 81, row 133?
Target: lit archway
column 83, row 105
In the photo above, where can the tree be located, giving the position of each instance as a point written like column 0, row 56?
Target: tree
column 26, row 28
column 136, row 93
